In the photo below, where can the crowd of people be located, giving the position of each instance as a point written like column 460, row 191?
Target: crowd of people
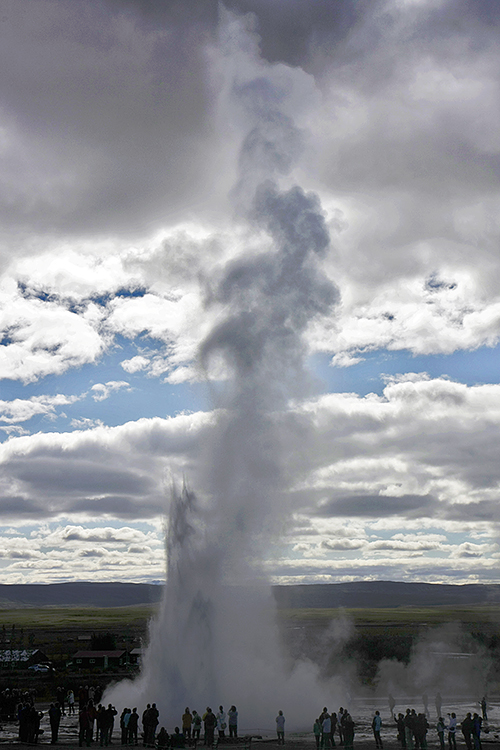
column 96, row 723
column 327, row 725
column 412, row 730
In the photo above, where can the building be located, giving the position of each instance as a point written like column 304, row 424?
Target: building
column 21, row 658
column 101, row 659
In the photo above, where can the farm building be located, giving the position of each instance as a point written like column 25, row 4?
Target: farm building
column 103, row 659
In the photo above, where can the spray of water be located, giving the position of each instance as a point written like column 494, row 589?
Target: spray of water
column 215, row 640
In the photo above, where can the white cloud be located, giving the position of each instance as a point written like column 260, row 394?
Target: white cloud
column 102, row 391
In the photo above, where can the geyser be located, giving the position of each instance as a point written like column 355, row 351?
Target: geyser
column 215, row 639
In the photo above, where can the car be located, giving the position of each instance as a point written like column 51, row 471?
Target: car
column 44, row 668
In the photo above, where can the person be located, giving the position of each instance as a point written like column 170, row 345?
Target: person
column 376, row 727
column 210, row 721
column 483, row 708
column 124, row 718
column 133, row 724
column 409, row 726
column 145, row 724
column 221, row 722
column 400, row 724
column 333, row 717
column 196, row 726
column 177, row 739
column 466, row 726
column 476, row 731
column 341, row 725
column 280, row 728
column 187, row 720
column 84, row 727
column 421, row 727
column 154, row 720
column 55, row 720
column 70, row 700
column 348, row 731
column 392, row 704
column 108, row 723
column 163, row 740
column 326, row 739
column 317, row 732
column 452, row 729
column 440, row 727
column 232, row 716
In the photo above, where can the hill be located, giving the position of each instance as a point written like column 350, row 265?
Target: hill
column 364, row 594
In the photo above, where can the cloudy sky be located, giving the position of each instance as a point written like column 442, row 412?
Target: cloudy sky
column 127, row 161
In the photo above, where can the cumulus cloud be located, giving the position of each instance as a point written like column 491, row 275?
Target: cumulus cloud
column 101, row 391
column 124, row 131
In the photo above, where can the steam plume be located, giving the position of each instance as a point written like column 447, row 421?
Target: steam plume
column 215, row 640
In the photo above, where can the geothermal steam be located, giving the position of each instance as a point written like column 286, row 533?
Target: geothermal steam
column 215, row 639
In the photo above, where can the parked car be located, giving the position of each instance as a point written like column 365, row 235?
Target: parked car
column 45, row 668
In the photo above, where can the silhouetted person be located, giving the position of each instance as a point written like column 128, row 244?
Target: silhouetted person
column 483, row 708
column 55, row 720
column 376, row 727
column 440, row 727
column 348, row 731
column 280, row 728
column 317, row 732
column 232, row 716
column 452, row 730
column 196, row 726
column 163, row 740
column 210, row 721
column 466, row 726
column 177, row 739
column 400, row 724
column 133, row 724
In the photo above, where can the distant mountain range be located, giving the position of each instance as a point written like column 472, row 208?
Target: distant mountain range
column 323, row 595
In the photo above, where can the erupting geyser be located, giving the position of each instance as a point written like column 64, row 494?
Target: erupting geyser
column 215, row 639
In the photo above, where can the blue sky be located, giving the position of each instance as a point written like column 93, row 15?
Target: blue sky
column 220, row 216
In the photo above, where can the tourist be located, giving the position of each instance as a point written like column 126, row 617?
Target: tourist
column 163, row 739
column 452, row 729
column 177, row 739
column 440, row 727
column 409, row 727
column 133, row 724
column 376, row 727
column 348, row 730
column 187, row 720
column 317, row 732
column 476, row 731
column 221, row 722
column 333, row 718
column 54, row 720
column 84, row 726
column 280, row 728
column 400, row 724
column 421, row 727
column 196, row 726
column 209, row 721
column 232, row 715
column 341, row 725
column 145, row 724
column 466, row 726
column 124, row 719
column 326, row 739
column 483, row 708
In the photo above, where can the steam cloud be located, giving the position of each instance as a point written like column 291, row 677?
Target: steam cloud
column 215, row 640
